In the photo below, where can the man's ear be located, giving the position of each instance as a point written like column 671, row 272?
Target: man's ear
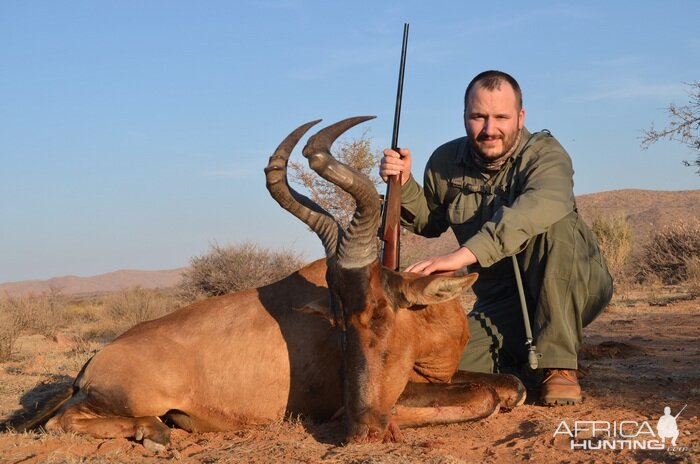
column 433, row 289
column 319, row 307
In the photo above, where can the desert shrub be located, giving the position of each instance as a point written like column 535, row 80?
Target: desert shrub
column 692, row 264
column 130, row 306
column 37, row 314
column 29, row 314
column 46, row 312
column 232, row 268
column 672, row 253
column 614, row 235
column 10, row 328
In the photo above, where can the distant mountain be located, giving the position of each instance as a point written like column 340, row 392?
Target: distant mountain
column 112, row 281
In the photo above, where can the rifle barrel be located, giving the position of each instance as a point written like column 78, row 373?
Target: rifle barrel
column 391, row 227
column 399, row 90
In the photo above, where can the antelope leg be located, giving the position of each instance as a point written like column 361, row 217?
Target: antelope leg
column 509, row 388
column 423, row 404
column 79, row 420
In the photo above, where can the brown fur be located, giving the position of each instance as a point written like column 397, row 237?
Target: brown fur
column 225, row 362
column 251, row 357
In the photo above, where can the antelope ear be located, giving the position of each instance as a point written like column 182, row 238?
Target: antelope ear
column 319, row 307
column 436, row 288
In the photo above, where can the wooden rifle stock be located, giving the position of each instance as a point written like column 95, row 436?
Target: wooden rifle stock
column 391, row 215
column 391, row 229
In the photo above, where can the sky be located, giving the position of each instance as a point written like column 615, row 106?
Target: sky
column 133, row 134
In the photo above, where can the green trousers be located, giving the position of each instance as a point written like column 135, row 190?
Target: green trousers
column 567, row 285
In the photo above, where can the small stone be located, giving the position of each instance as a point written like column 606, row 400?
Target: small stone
column 62, row 340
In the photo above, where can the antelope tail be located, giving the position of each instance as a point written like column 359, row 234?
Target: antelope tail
column 24, row 421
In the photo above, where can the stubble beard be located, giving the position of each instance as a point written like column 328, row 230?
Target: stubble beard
column 508, row 141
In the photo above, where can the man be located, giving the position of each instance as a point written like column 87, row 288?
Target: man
column 504, row 191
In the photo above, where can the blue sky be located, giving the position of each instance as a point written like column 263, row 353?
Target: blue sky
column 133, row 134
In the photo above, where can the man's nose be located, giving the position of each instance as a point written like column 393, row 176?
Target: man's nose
column 489, row 127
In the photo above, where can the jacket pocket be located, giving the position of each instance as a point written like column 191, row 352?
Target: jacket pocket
column 462, row 209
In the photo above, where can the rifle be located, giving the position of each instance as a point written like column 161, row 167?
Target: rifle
column 391, row 215
column 679, row 412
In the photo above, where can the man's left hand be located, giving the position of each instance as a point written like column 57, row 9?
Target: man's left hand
column 444, row 263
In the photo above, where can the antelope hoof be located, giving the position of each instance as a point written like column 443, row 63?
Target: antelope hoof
column 365, row 434
column 152, row 446
column 516, row 396
column 392, row 434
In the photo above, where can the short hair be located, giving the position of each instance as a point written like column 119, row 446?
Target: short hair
column 491, row 80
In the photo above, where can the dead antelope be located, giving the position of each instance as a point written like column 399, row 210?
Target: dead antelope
column 342, row 333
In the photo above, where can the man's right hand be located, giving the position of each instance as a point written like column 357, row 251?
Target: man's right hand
column 393, row 164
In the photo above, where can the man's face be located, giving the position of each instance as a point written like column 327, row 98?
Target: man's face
column 493, row 120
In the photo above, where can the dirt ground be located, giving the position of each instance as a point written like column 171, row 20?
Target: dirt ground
column 641, row 355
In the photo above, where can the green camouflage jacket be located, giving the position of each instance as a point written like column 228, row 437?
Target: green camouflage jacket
column 484, row 214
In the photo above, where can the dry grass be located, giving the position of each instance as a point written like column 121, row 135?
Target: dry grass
column 126, row 308
column 614, row 235
column 10, row 328
column 82, row 350
column 692, row 264
column 101, row 318
column 78, row 312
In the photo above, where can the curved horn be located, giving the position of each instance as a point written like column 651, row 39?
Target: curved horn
column 318, row 219
column 358, row 247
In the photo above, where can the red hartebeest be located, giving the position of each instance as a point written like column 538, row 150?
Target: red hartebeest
column 385, row 348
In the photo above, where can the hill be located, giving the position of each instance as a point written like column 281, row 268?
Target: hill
column 646, row 210
column 109, row 282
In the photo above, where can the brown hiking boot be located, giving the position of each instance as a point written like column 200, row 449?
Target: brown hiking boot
column 560, row 386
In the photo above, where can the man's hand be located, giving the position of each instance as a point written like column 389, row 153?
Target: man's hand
column 449, row 262
column 393, row 164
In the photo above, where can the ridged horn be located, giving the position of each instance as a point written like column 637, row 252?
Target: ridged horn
column 358, row 246
column 319, row 220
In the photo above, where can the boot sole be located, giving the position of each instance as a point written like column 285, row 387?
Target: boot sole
column 553, row 401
